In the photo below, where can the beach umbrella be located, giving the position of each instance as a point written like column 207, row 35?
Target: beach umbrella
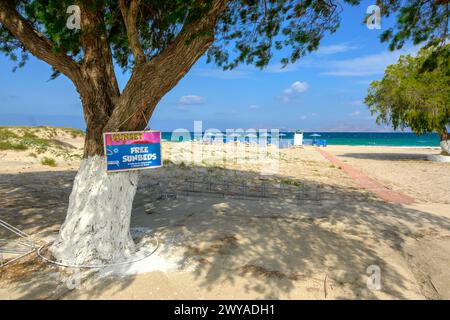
column 315, row 135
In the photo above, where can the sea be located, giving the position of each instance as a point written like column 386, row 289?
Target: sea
column 391, row 139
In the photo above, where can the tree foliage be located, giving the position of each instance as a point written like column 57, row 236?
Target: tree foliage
column 413, row 94
column 249, row 31
column 417, row 20
column 250, row 28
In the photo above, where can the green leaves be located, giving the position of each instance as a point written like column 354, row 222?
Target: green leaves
column 415, row 92
column 247, row 32
column 250, row 31
column 417, row 20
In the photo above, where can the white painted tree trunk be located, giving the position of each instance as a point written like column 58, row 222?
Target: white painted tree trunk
column 97, row 226
column 445, row 146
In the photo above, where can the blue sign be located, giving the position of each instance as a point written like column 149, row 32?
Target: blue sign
column 133, row 150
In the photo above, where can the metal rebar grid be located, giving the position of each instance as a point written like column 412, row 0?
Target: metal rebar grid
column 16, row 248
column 216, row 187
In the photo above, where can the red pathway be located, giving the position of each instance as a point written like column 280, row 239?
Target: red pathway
column 367, row 182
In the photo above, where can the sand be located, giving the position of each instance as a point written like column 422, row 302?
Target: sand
column 216, row 247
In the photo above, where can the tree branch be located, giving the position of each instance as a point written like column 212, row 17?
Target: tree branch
column 97, row 65
column 154, row 79
column 36, row 43
column 129, row 14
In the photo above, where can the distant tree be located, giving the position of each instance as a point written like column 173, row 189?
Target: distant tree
column 415, row 94
column 158, row 41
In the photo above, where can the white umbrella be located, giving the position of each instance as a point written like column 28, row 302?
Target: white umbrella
column 315, row 135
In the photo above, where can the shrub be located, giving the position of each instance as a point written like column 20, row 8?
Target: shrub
column 5, row 145
column 75, row 133
column 6, row 134
column 183, row 165
column 291, row 182
column 48, row 162
column 30, row 139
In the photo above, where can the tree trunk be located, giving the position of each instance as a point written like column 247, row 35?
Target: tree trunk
column 97, row 226
column 445, row 143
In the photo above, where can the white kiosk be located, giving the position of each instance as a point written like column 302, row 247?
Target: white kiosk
column 298, row 138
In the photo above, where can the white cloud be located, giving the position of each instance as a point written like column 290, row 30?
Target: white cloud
column 298, row 86
column 253, row 107
column 192, row 100
column 294, row 89
column 354, row 114
column 368, row 65
column 335, row 48
column 303, row 117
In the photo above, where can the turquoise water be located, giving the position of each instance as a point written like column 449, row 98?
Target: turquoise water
column 401, row 139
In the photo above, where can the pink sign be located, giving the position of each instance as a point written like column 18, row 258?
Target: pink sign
column 139, row 137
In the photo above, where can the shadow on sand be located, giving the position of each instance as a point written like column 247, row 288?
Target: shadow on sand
column 387, row 156
column 264, row 248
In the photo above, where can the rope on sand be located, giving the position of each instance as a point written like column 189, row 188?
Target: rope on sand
column 97, row 266
column 32, row 247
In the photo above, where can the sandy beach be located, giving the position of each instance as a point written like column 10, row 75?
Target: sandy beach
column 313, row 235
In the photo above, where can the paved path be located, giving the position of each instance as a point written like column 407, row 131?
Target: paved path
column 367, row 182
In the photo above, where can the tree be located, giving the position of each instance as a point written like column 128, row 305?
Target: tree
column 417, row 20
column 415, row 93
column 158, row 41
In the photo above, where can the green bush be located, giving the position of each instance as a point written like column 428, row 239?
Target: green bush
column 48, row 162
column 6, row 145
column 5, row 134
column 291, row 182
column 75, row 133
column 182, row 165
column 30, row 139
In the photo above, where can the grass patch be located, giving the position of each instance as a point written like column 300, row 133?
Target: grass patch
column 183, row 165
column 33, row 155
column 48, row 162
column 167, row 162
column 75, row 133
column 30, row 139
column 290, row 182
column 6, row 145
column 27, row 137
column 6, row 134
column 214, row 167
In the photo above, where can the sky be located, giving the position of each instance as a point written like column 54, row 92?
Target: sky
column 323, row 91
